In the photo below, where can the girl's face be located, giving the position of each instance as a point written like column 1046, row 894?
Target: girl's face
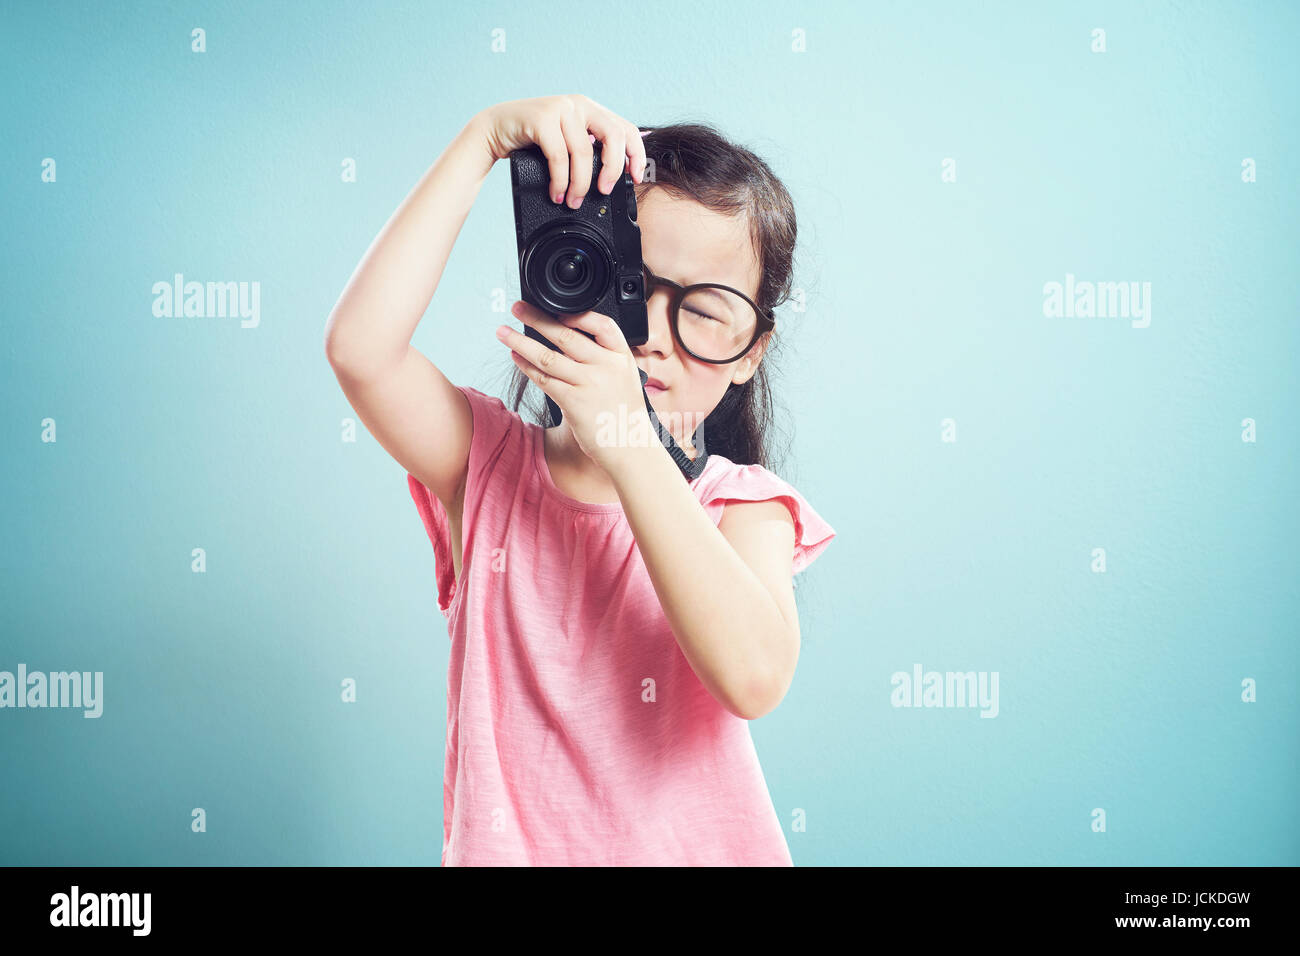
column 686, row 242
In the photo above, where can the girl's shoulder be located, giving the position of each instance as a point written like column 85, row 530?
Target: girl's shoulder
column 492, row 418
column 724, row 481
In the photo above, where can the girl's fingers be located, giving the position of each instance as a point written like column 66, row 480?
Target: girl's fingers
column 551, row 362
column 636, row 154
column 575, row 346
column 605, row 329
column 575, row 349
column 552, row 386
column 613, row 135
column 551, row 140
column 573, row 123
column 567, row 135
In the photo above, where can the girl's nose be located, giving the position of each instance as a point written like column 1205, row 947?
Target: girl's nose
column 660, row 339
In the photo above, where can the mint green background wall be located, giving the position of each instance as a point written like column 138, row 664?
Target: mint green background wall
column 1119, row 690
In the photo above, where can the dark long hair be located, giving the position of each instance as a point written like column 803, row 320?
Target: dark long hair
column 695, row 161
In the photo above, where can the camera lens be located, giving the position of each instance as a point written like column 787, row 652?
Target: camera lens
column 568, row 270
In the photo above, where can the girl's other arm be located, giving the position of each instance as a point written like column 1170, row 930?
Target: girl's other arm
column 726, row 590
column 412, row 409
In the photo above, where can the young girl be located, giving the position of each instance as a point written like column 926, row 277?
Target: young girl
column 614, row 625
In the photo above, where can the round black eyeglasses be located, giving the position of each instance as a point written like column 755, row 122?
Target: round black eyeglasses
column 709, row 319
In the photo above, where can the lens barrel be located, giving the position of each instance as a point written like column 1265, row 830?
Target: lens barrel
column 568, row 267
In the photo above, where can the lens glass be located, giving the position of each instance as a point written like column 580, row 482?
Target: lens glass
column 715, row 323
column 568, row 272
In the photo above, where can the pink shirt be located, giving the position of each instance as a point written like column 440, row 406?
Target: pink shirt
column 577, row 733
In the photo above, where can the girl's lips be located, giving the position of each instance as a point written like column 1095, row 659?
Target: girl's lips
column 655, row 384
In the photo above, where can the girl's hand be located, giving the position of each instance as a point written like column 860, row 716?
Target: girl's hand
column 596, row 383
column 563, row 126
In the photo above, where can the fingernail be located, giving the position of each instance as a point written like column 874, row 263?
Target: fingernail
column 558, row 198
column 575, row 202
column 502, row 331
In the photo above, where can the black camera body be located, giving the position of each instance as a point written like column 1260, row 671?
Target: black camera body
column 578, row 260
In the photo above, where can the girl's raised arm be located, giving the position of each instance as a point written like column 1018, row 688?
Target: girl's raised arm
column 411, row 408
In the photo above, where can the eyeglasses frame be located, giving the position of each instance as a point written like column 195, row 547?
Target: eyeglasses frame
column 765, row 320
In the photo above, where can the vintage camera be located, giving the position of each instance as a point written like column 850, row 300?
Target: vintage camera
column 578, row 260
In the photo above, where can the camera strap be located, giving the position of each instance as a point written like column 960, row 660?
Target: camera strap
column 691, row 468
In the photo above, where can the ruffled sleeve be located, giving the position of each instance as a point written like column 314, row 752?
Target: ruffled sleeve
column 755, row 483
column 494, row 424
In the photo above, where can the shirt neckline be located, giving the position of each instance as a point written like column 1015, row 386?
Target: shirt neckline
column 549, row 486
column 548, row 483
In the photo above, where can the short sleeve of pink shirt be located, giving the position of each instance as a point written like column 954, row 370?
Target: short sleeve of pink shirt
column 577, row 733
